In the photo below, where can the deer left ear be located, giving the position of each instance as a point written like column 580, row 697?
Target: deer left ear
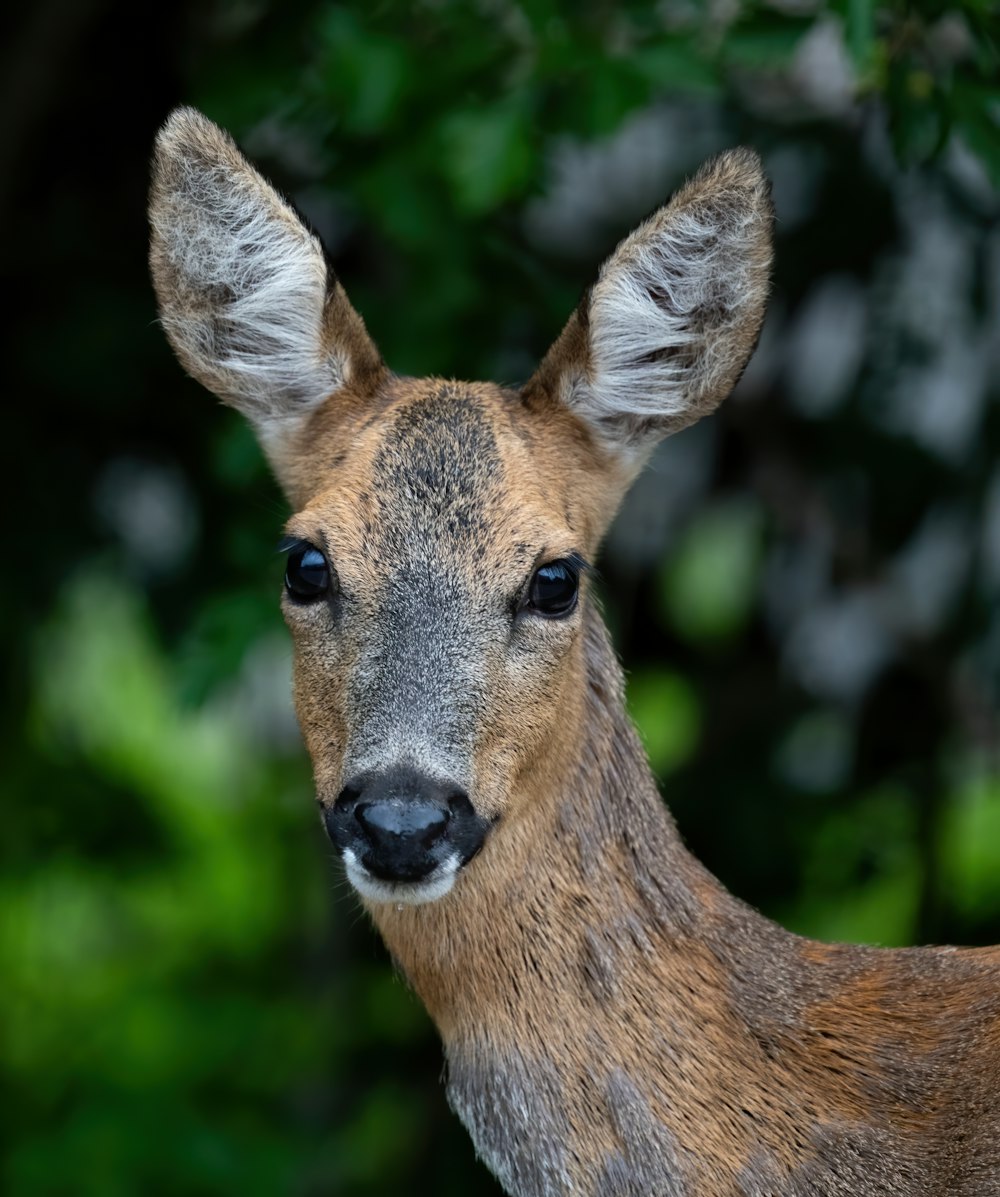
column 245, row 294
column 664, row 334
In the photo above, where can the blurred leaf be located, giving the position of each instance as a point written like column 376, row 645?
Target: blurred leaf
column 241, row 90
column 859, row 22
column 675, row 65
column 862, row 873
column 970, row 834
column 919, row 121
column 236, row 455
column 614, row 89
column 365, row 1135
column 767, row 40
column 707, row 586
column 487, row 154
column 977, row 110
column 364, row 72
column 668, row 716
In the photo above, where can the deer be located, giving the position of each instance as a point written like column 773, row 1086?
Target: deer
column 614, row 1022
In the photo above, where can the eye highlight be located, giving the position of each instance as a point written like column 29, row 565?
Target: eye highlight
column 554, row 587
column 307, row 574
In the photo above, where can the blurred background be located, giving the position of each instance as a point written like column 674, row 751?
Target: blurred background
column 804, row 588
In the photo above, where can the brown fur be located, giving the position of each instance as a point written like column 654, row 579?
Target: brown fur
column 614, row 1021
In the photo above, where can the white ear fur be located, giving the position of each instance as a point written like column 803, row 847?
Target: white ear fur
column 670, row 323
column 242, row 284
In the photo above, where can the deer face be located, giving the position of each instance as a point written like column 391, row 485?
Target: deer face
column 433, row 595
column 437, row 562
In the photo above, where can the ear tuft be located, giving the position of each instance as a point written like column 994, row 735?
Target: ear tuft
column 244, row 292
column 667, row 329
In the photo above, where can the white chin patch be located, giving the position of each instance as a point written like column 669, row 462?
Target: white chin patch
column 403, row 893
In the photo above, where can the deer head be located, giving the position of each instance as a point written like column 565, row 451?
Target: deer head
column 438, row 557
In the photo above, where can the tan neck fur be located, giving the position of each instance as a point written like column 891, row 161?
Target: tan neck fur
column 651, row 1027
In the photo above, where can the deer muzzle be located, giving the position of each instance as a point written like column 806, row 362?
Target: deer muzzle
column 404, row 835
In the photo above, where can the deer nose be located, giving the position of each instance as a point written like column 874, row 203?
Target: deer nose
column 389, row 822
column 400, row 825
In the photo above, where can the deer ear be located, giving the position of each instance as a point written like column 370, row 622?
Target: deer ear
column 663, row 335
column 245, row 294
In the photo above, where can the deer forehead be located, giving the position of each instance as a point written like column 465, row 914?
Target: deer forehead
column 458, row 474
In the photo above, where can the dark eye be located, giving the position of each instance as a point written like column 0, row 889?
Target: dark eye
column 307, row 575
column 553, row 589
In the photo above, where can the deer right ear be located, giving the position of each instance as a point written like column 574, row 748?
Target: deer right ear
column 244, row 291
column 663, row 335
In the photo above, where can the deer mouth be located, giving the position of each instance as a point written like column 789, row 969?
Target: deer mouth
column 429, row 888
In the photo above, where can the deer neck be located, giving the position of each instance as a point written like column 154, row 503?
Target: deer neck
column 593, row 984
column 615, row 1022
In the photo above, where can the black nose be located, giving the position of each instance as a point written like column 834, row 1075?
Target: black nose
column 401, row 825
column 386, row 823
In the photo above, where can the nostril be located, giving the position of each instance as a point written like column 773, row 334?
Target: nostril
column 459, row 804
column 348, row 796
column 420, row 822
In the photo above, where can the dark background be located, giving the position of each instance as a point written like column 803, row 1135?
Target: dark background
column 804, row 589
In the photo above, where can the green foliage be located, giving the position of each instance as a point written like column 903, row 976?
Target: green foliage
column 487, row 155
column 666, row 712
column 862, row 874
column 970, row 835
column 708, row 584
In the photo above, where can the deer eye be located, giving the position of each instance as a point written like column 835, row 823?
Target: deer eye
column 553, row 589
column 307, row 575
